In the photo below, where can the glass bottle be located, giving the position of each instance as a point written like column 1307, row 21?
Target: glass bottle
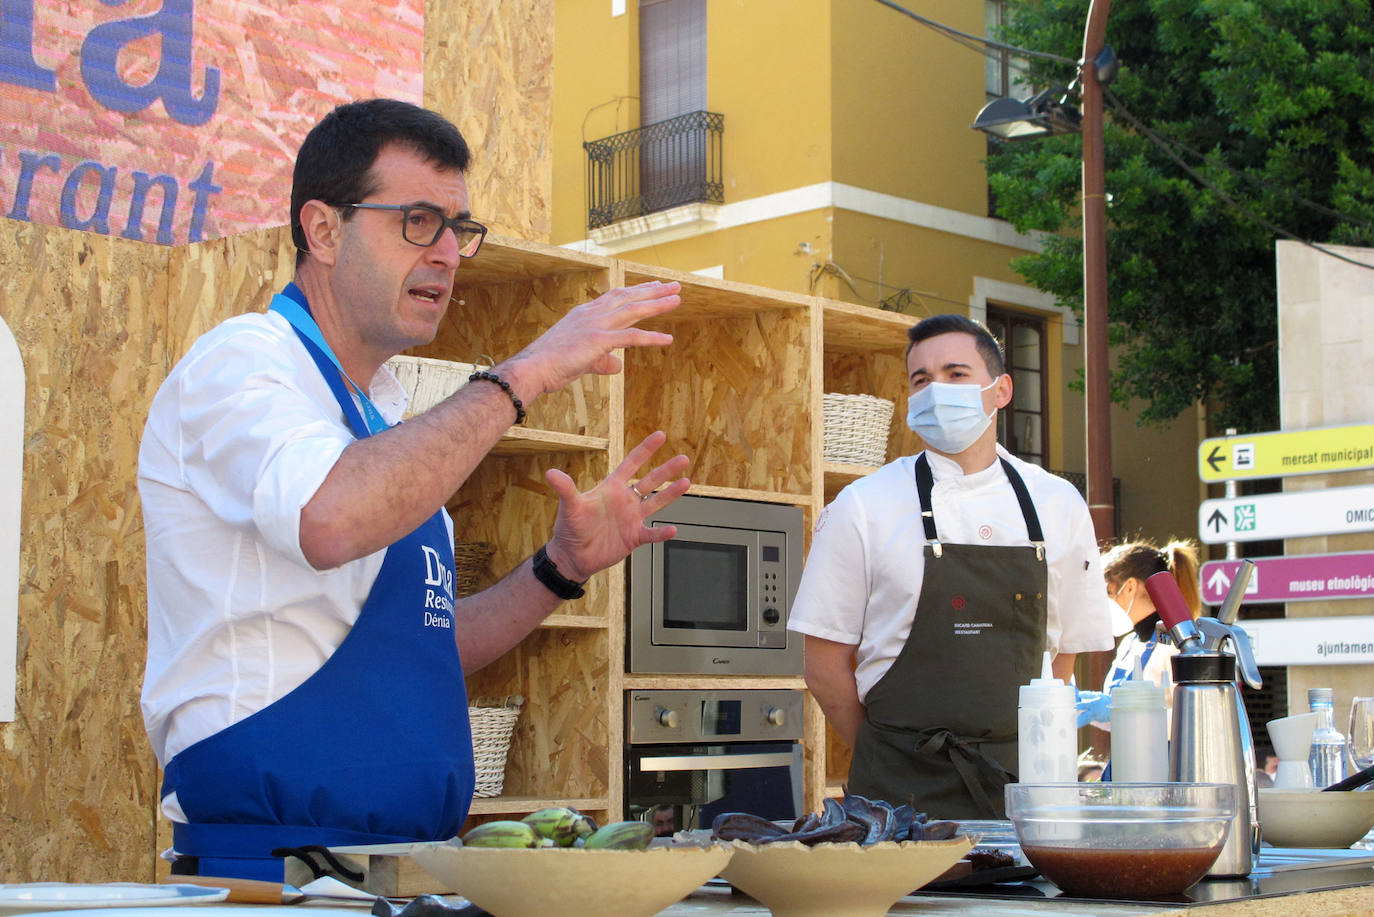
column 1327, row 758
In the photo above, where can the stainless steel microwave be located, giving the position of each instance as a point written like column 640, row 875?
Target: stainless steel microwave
column 715, row 598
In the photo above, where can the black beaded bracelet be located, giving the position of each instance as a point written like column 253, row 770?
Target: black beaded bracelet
column 485, row 376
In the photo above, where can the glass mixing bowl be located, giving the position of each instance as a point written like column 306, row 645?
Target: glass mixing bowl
column 1121, row 840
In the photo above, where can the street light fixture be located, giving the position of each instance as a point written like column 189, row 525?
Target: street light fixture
column 1042, row 115
column 1097, row 67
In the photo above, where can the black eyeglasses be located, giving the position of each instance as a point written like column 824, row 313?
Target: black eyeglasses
column 422, row 225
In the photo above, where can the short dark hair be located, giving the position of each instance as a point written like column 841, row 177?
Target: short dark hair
column 988, row 347
column 335, row 161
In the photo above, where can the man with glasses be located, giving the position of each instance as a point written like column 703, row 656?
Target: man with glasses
column 306, row 653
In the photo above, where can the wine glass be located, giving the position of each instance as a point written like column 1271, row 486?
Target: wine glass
column 1361, row 733
column 1360, row 747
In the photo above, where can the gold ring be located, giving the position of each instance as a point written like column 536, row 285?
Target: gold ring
column 638, row 494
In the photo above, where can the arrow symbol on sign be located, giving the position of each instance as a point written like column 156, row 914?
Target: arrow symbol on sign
column 1219, row 582
column 1216, row 520
column 1215, row 458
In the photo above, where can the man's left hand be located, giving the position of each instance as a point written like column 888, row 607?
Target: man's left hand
column 602, row 526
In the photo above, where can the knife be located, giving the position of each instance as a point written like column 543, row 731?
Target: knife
column 1353, row 782
column 244, row 891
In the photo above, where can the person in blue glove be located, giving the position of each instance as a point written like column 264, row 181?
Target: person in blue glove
column 1126, row 567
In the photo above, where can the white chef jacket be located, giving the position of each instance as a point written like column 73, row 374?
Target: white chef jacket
column 863, row 575
column 239, row 437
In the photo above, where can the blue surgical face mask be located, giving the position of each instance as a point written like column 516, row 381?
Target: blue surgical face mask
column 948, row 416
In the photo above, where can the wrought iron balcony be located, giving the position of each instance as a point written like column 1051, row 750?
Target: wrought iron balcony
column 655, row 167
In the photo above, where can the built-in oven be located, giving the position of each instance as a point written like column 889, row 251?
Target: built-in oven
column 694, row 754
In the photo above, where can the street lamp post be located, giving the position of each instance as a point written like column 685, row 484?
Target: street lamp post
column 1098, row 399
column 1042, row 116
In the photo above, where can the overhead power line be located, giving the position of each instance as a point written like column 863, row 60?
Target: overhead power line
column 1209, row 185
column 964, row 37
column 981, row 44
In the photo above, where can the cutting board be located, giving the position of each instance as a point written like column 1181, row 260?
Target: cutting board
column 391, row 872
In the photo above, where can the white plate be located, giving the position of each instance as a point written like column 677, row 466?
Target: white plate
column 67, row 896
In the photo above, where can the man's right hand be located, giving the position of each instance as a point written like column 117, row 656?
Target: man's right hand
column 584, row 340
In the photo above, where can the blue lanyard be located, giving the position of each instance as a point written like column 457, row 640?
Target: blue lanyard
column 1121, row 673
column 291, row 305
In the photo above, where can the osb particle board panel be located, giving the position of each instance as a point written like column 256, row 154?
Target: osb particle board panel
column 211, row 281
column 77, row 777
column 489, row 69
column 508, row 503
column 563, row 675
column 492, row 322
column 734, row 395
column 883, row 375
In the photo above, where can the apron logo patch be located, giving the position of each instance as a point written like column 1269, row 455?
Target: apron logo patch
column 966, row 628
column 438, row 590
column 985, row 532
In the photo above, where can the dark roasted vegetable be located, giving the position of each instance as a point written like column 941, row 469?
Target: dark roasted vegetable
column 903, row 817
column 844, row 832
column 939, row 830
column 834, row 812
column 741, row 826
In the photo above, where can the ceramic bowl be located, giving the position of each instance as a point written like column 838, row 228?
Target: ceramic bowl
column 1121, row 840
column 571, row 882
column 838, row 880
column 1311, row 818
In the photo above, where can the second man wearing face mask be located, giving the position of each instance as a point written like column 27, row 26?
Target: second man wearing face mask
column 935, row 586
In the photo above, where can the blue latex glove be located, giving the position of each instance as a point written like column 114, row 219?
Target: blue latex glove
column 1093, row 707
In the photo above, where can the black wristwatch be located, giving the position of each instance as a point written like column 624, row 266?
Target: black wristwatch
column 546, row 571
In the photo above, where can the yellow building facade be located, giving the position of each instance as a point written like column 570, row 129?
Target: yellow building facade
column 847, row 169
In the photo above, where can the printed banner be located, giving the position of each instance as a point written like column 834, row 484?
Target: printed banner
column 175, row 121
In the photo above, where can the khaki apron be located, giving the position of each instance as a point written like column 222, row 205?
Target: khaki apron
column 940, row 731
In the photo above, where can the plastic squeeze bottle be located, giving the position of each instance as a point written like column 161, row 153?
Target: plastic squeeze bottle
column 1140, row 732
column 1047, row 727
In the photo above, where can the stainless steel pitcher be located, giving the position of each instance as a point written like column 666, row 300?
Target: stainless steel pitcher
column 1209, row 738
column 1210, row 742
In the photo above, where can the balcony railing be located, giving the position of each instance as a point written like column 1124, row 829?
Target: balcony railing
column 655, row 167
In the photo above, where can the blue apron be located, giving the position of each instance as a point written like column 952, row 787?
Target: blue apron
column 373, row 748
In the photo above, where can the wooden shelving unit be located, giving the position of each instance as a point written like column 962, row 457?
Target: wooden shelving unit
column 739, row 391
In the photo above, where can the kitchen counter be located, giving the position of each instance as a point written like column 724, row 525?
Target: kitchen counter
column 713, row 901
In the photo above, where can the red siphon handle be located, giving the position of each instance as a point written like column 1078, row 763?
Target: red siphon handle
column 1168, row 598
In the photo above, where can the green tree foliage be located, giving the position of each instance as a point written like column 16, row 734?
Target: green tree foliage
column 1274, row 102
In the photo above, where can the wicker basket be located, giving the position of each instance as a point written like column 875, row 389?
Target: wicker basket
column 493, row 721
column 470, row 559
column 856, row 428
column 428, row 381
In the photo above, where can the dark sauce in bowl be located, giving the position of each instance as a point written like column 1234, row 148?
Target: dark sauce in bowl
column 1122, row 873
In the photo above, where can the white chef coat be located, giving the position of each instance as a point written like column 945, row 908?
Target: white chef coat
column 863, row 575
column 239, row 437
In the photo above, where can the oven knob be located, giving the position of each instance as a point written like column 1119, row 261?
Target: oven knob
column 666, row 718
column 771, row 616
column 775, row 716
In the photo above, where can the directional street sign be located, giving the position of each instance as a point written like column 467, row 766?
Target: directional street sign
column 1304, row 578
column 1289, row 452
column 1334, row 511
column 1312, row 641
